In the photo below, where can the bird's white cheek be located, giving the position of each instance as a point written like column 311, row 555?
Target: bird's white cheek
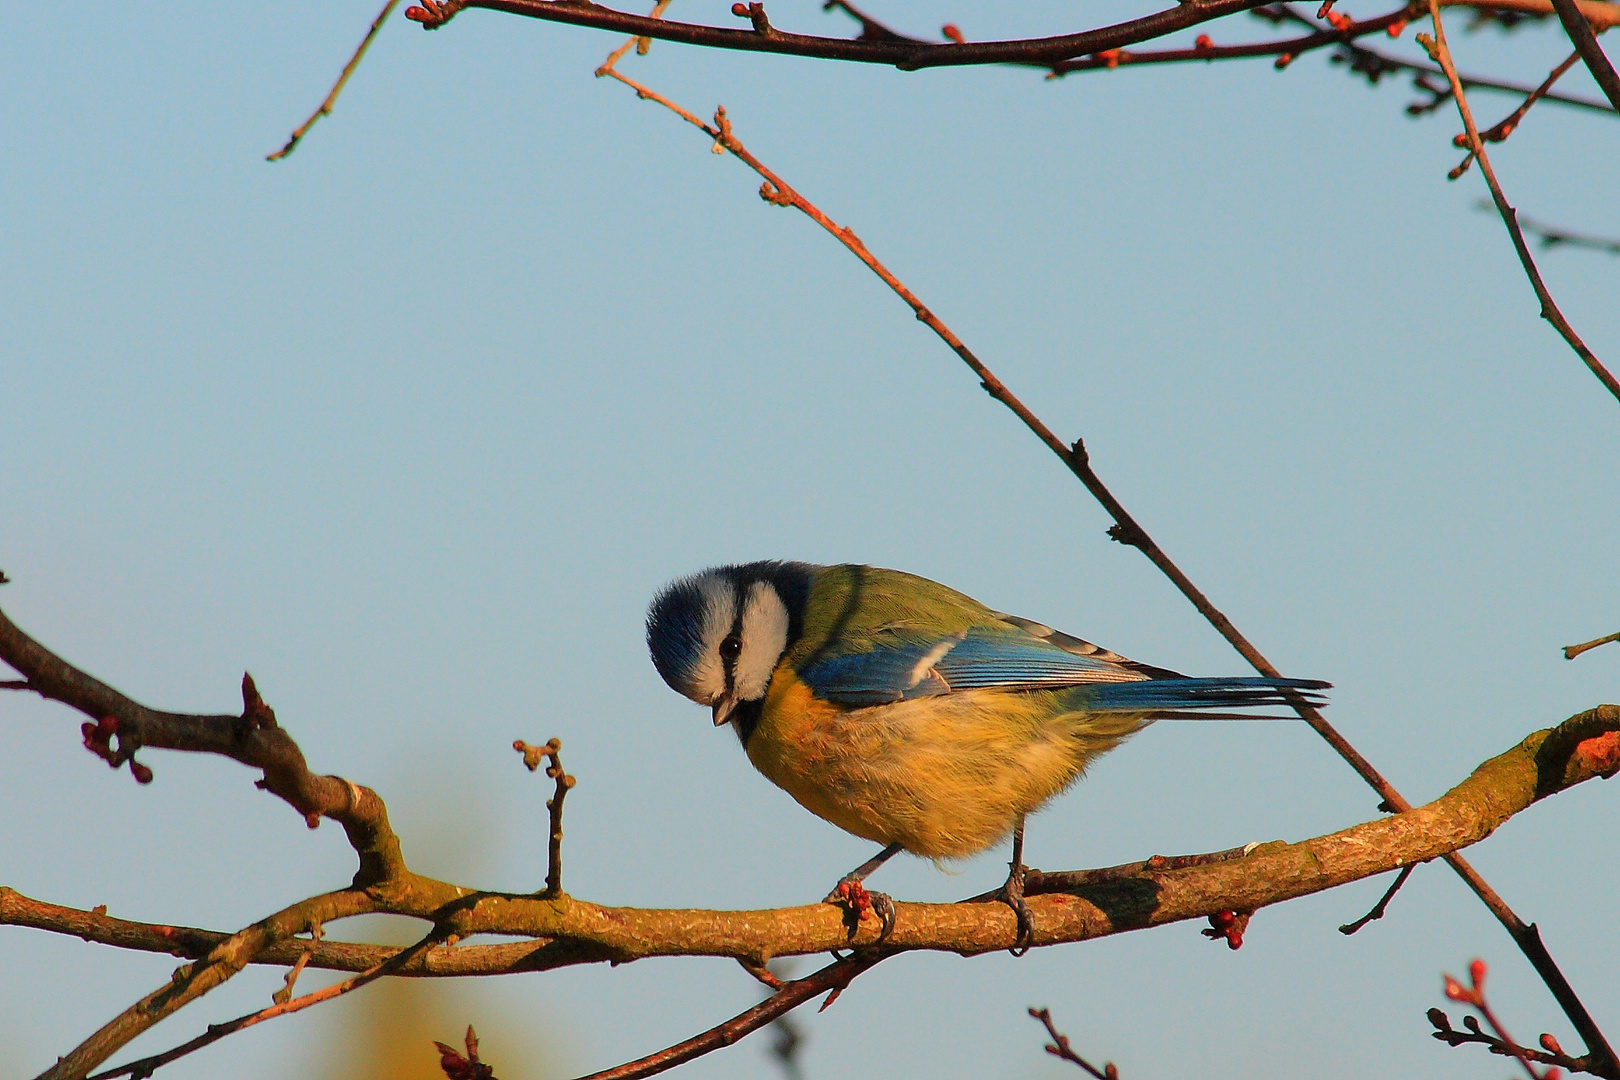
column 764, row 637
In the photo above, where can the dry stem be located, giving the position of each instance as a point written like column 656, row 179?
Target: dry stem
column 337, row 87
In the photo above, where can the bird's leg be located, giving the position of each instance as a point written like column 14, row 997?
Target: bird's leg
column 1012, row 893
column 849, row 890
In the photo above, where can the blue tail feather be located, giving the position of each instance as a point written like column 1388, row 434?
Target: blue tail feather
column 1153, row 695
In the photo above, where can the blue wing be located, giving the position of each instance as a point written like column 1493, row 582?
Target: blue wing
column 1029, row 656
column 904, row 666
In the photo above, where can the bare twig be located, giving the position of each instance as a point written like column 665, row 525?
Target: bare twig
column 1344, row 34
column 830, row 980
column 1506, row 126
column 1059, row 1048
column 337, row 87
column 1572, row 651
column 531, row 758
column 1550, row 1053
column 1378, row 909
column 1474, row 995
column 284, row 995
column 1440, row 53
column 760, row 972
column 640, row 44
column 1374, row 65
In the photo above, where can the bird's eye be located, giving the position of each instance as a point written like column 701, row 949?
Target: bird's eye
column 730, row 648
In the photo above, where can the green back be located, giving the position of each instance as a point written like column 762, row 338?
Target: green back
column 853, row 605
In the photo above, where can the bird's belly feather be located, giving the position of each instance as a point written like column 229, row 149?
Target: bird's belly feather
column 943, row 776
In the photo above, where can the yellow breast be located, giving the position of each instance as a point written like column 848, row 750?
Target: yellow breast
column 942, row 776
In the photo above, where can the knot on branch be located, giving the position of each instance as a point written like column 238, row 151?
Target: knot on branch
column 1584, row 746
column 256, row 715
column 1129, row 534
column 98, row 740
column 754, row 13
column 433, row 14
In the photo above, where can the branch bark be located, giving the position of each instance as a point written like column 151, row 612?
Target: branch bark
column 909, row 54
column 1580, row 34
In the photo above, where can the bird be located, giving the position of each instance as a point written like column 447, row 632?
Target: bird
column 909, row 714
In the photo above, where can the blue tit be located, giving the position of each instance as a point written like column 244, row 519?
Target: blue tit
column 909, row 714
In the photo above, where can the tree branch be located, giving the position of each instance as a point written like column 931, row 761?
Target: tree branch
column 1580, row 34
column 325, row 108
column 1545, row 763
column 254, row 739
column 909, row 54
column 192, row 981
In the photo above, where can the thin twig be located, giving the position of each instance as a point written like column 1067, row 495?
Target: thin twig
column 1440, row 53
column 1549, row 1054
column 1504, row 127
column 1378, row 909
column 1374, row 64
column 830, row 980
column 1059, row 1048
column 1572, row 651
column 565, row 783
column 640, row 44
column 1474, row 995
column 284, row 995
column 337, row 87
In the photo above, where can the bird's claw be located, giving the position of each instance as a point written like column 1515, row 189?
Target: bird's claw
column 1012, row 894
column 859, row 900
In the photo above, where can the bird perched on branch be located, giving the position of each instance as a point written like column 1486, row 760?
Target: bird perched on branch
column 909, row 714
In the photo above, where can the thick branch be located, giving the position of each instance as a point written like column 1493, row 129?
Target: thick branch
column 254, row 739
column 576, row 931
column 195, row 943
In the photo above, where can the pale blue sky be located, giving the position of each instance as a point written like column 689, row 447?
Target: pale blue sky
column 412, row 424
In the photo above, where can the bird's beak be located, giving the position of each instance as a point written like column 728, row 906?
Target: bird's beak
column 722, row 711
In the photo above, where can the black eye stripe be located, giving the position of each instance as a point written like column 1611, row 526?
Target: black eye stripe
column 731, row 644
